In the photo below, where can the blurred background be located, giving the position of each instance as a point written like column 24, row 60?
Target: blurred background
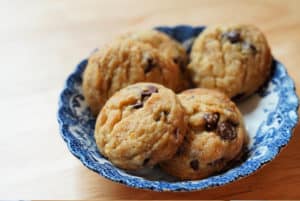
column 42, row 41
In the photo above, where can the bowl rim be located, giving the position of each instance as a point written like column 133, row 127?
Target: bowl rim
column 193, row 185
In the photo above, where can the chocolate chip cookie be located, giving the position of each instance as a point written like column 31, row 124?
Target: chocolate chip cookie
column 215, row 135
column 235, row 59
column 167, row 47
column 124, row 62
column 140, row 125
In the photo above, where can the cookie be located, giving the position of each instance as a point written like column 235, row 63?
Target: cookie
column 235, row 59
column 215, row 135
column 140, row 126
column 167, row 47
column 125, row 62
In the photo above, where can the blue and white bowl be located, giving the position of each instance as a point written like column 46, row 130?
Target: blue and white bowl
column 270, row 116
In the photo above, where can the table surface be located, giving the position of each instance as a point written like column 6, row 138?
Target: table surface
column 42, row 41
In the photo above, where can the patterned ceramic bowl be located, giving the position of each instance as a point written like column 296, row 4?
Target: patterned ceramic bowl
column 270, row 116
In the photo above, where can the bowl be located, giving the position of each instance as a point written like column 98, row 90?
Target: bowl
column 270, row 116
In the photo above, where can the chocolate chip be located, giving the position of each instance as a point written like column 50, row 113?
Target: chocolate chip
column 148, row 92
column 146, row 161
column 137, row 105
column 194, row 164
column 226, row 130
column 249, row 46
column 150, row 65
column 211, row 120
column 165, row 113
column 144, row 96
column 152, row 89
column 233, row 36
column 176, row 60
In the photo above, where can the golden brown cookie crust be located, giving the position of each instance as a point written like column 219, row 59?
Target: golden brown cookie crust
column 167, row 47
column 161, row 41
column 137, row 128
column 122, row 63
column 235, row 59
column 215, row 135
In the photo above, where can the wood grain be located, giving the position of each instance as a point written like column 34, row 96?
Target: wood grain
column 42, row 41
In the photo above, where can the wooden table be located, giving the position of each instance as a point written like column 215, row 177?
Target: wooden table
column 42, row 41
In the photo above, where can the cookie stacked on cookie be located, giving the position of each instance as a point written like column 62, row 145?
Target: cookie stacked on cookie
column 215, row 135
column 140, row 126
column 131, row 86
